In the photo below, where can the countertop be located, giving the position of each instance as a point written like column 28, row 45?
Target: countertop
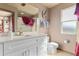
column 13, row 38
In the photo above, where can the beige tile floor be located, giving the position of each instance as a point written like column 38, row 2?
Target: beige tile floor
column 61, row 53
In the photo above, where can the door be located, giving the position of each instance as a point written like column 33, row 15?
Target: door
column 33, row 51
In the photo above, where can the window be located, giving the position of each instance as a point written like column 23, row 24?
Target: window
column 5, row 20
column 4, row 23
column 68, row 27
column 68, row 21
column 1, row 24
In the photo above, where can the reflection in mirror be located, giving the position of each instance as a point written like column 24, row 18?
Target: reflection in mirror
column 30, row 14
column 5, row 21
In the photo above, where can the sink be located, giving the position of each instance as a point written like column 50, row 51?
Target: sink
column 19, row 37
column 27, row 35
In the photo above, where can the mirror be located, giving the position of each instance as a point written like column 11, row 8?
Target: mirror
column 26, row 11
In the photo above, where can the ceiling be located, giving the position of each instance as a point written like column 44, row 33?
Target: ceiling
column 31, row 9
column 5, row 13
column 49, row 5
column 28, row 9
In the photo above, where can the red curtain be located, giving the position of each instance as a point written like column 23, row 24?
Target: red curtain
column 77, row 44
column 77, row 49
column 27, row 20
column 13, row 23
column 77, row 10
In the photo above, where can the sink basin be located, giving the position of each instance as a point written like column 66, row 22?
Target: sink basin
column 27, row 35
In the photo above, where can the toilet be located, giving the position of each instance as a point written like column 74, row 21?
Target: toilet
column 52, row 47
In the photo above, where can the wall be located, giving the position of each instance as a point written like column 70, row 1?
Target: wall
column 55, row 28
column 7, row 7
column 78, row 31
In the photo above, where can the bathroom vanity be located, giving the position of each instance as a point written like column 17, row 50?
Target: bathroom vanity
column 24, row 46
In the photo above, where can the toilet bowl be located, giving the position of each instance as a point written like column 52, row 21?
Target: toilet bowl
column 52, row 47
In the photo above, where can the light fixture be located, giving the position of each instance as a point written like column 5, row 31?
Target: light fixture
column 23, row 4
column 22, row 13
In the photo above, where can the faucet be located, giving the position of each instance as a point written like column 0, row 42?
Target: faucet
column 20, row 33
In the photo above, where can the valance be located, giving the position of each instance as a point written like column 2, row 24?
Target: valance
column 27, row 20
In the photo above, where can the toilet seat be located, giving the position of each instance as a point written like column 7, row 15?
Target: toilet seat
column 52, row 47
column 53, row 44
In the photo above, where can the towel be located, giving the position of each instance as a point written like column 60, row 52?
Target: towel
column 27, row 20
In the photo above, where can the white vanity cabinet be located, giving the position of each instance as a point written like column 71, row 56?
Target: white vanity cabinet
column 33, row 51
column 42, row 46
column 22, row 47
column 35, row 46
column 16, row 53
column 1, row 49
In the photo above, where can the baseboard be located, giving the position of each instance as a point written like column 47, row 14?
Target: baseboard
column 66, row 51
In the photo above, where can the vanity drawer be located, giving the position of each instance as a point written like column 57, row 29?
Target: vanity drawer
column 18, row 45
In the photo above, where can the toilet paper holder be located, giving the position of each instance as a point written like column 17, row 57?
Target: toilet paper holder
column 66, row 41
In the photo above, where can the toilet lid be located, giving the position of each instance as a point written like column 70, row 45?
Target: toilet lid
column 54, row 44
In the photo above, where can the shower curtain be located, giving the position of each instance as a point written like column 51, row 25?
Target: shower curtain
column 77, row 42
column 77, row 49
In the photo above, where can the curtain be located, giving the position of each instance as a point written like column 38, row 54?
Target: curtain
column 27, row 20
column 77, row 43
column 13, row 23
column 77, row 10
column 77, row 49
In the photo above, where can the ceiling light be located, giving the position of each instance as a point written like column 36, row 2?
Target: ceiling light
column 23, row 4
column 22, row 13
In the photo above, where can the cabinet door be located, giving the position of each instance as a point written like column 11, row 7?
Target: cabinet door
column 1, row 49
column 32, row 50
column 26, row 53
column 42, row 47
column 18, row 53
column 42, row 50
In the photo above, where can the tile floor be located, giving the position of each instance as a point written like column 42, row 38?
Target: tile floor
column 61, row 53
